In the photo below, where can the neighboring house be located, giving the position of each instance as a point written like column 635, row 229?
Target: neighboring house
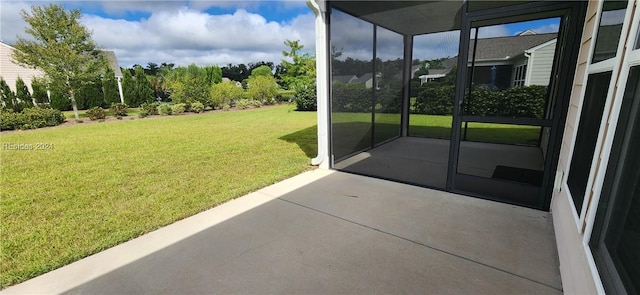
column 435, row 75
column 115, row 66
column 225, row 79
column 10, row 71
column 367, row 80
column 345, row 79
column 522, row 60
column 590, row 177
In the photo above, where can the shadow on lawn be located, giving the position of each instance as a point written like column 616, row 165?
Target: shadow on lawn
column 354, row 136
column 306, row 139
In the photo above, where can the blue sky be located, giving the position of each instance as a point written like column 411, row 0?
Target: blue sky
column 183, row 32
column 214, row 32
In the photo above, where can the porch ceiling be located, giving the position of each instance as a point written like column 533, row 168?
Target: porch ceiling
column 416, row 17
column 407, row 17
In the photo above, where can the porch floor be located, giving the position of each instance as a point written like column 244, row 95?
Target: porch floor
column 327, row 232
column 423, row 161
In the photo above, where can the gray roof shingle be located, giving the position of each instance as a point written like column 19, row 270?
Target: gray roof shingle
column 503, row 48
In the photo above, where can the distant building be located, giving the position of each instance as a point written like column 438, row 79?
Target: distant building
column 10, row 71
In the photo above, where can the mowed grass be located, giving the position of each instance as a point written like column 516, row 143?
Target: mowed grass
column 106, row 183
column 432, row 126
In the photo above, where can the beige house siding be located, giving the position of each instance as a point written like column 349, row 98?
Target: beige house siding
column 11, row 71
column 577, row 277
column 541, row 61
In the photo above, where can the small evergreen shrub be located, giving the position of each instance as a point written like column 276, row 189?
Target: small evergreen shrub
column 306, row 99
column 178, row 108
column 119, row 109
column 197, row 107
column 164, row 109
column 242, row 104
column 256, row 103
column 30, row 119
column 10, row 120
column 148, row 109
column 96, row 113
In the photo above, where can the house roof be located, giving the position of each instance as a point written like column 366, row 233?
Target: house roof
column 504, row 48
column 344, row 78
column 364, row 78
column 113, row 62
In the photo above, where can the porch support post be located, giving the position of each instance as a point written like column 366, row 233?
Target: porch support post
column 406, row 84
column 322, row 86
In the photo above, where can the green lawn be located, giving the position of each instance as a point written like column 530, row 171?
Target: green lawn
column 354, row 127
column 83, row 113
column 105, row 183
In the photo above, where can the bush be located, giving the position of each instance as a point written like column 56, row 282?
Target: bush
column 30, row 119
column 435, row 99
column 197, row 107
column 164, row 109
column 256, row 103
column 178, row 108
column 60, row 102
column 263, row 89
column 10, row 120
column 243, row 103
column 119, row 109
column 148, row 109
column 515, row 102
column 353, row 98
column 306, row 99
column 96, row 113
column 225, row 93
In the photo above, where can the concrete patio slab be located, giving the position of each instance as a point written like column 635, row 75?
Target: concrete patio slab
column 325, row 232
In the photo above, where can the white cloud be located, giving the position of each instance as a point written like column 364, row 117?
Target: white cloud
column 11, row 23
column 175, row 33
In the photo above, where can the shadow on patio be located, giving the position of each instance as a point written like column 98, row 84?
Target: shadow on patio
column 325, row 232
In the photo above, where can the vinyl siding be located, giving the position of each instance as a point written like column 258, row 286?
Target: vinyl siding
column 575, row 269
column 542, row 63
column 11, row 71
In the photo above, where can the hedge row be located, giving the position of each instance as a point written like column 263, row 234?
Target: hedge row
column 516, row 102
column 30, row 119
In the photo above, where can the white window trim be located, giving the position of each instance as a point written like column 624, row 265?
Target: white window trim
column 610, row 120
column 613, row 64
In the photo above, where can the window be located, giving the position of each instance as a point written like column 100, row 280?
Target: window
column 615, row 240
column 609, row 30
column 588, row 129
column 520, row 73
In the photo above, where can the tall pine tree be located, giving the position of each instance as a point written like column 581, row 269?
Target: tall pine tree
column 110, row 88
column 7, row 97
column 129, row 88
column 22, row 94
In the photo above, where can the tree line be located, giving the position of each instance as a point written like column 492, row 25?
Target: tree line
column 78, row 76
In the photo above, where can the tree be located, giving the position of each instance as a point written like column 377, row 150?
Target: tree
column 7, row 97
column 62, row 48
column 261, row 71
column 189, row 84
column 39, row 94
column 213, row 75
column 301, row 73
column 22, row 94
column 144, row 89
column 263, row 89
column 236, row 72
column 90, row 94
column 129, row 87
column 110, row 88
